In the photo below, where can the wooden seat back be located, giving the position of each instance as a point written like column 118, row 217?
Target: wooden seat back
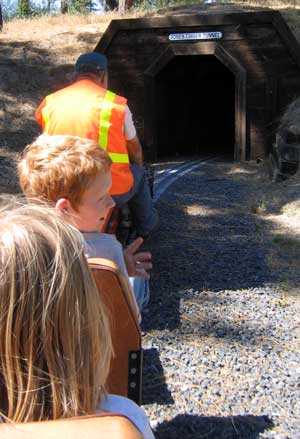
column 104, row 426
column 125, row 376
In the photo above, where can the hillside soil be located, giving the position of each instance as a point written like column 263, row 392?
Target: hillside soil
column 37, row 58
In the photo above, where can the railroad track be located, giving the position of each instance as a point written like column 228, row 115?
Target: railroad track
column 166, row 174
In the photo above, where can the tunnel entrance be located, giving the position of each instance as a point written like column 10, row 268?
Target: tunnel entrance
column 195, row 112
column 207, row 48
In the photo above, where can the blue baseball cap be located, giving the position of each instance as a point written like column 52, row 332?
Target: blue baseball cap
column 91, row 62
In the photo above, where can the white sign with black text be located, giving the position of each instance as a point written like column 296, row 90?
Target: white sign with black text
column 196, row 36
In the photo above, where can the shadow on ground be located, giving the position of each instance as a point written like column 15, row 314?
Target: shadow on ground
column 213, row 427
column 155, row 389
column 210, row 241
column 27, row 74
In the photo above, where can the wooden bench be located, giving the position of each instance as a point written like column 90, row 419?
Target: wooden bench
column 125, row 377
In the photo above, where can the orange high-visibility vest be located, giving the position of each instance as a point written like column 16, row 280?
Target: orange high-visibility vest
column 87, row 110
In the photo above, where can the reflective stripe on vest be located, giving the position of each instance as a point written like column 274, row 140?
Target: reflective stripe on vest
column 118, row 158
column 104, row 125
column 105, row 115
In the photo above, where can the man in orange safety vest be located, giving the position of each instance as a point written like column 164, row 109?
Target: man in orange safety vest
column 88, row 109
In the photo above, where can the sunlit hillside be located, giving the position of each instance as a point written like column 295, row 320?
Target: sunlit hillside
column 37, row 55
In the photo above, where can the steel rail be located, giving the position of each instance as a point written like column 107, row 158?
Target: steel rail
column 169, row 176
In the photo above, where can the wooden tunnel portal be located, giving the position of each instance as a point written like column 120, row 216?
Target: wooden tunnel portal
column 205, row 78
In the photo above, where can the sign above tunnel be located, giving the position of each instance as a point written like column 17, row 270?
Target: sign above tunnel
column 196, row 36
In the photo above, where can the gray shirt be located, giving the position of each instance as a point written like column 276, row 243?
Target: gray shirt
column 103, row 245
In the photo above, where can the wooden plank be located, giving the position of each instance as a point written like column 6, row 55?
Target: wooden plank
column 182, row 21
column 271, row 91
column 137, row 42
column 150, row 134
column 258, row 136
column 259, row 149
column 240, row 150
column 258, row 141
column 256, row 61
column 196, row 20
column 255, row 93
column 287, row 36
column 257, row 115
column 262, row 61
column 240, row 147
column 160, row 61
column 288, row 90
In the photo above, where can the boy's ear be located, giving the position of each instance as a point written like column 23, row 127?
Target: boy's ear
column 63, row 206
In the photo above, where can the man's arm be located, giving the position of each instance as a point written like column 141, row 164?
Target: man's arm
column 135, row 151
column 133, row 145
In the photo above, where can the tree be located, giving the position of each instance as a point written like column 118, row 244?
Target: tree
column 1, row 17
column 110, row 5
column 24, row 8
column 83, row 6
column 64, row 6
column 121, row 7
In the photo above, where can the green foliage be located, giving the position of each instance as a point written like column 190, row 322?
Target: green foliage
column 82, row 6
column 24, row 8
column 149, row 4
column 29, row 8
column 34, row 8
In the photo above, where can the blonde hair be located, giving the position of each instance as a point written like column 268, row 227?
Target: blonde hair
column 55, row 167
column 55, row 342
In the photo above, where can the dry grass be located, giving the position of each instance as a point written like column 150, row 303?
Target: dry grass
column 37, row 56
column 278, row 207
column 63, row 36
column 45, row 27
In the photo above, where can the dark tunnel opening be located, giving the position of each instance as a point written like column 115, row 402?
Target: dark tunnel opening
column 195, row 98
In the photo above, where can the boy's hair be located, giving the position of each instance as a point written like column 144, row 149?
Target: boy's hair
column 55, row 167
column 55, row 340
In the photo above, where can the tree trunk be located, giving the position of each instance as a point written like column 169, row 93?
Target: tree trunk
column 128, row 4
column 124, row 6
column 64, row 6
column 121, row 8
column 1, row 17
column 110, row 5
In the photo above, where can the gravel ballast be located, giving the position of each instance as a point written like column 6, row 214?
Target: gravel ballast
column 222, row 330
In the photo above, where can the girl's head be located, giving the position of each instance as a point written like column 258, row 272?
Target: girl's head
column 55, row 344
